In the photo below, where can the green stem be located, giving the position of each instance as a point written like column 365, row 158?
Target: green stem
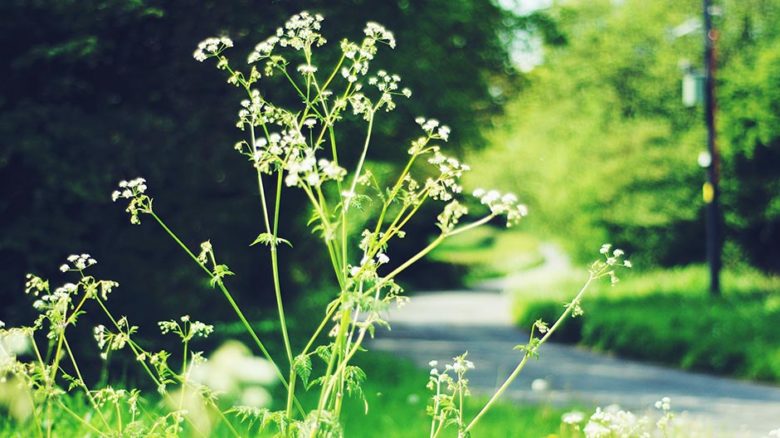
column 83, row 384
column 80, row 420
column 526, row 356
column 233, row 305
column 362, row 160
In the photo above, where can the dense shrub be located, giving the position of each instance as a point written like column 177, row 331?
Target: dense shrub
column 736, row 334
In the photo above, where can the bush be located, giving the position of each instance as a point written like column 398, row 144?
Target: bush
column 735, row 334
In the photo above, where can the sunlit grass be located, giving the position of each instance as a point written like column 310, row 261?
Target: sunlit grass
column 490, row 252
column 669, row 316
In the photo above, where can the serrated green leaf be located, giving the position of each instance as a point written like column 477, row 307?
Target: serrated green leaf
column 323, row 352
column 302, row 367
column 353, row 378
column 270, row 240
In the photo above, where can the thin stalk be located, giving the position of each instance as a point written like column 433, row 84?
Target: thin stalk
column 80, row 420
column 328, row 315
column 337, row 345
column 34, row 344
column 274, row 257
column 233, row 305
column 83, row 384
column 227, row 422
column 394, row 191
column 133, row 346
column 527, row 355
column 362, row 160
column 435, row 408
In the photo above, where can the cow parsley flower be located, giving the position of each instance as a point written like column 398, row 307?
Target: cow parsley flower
column 211, row 47
column 134, row 191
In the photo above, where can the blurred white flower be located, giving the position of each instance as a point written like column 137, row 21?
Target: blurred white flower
column 540, row 385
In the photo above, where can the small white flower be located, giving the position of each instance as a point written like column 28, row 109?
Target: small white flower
column 540, row 385
column 573, row 417
column 64, row 268
column 382, row 258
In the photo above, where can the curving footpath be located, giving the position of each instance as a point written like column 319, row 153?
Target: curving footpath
column 441, row 325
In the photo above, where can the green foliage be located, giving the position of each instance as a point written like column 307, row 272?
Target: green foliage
column 395, row 391
column 603, row 149
column 490, row 252
column 750, row 105
column 668, row 316
column 99, row 89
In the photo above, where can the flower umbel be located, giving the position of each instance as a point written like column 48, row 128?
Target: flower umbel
column 134, row 191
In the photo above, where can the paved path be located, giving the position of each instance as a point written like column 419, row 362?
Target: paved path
column 441, row 325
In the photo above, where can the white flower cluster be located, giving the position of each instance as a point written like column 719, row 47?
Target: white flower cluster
column 211, row 47
column 450, row 216
column 361, row 55
column 35, row 285
column 251, row 109
column 367, row 269
column 387, row 84
column 447, row 184
column 502, row 204
column 615, row 422
column 300, row 31
column 377, row 32
column 134, row 191
column 433, row 128
column 129, row 189
column 612, row 421
column 186, row 329
column 614, row 258
column 304, row 168
column 108, row 341
column 449, row 390
column 573, row 417
column 206, row 251
column 361, row 104
column 78, row 263
column 307, row 69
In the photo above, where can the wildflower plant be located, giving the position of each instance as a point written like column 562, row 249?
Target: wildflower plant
column 290, row 148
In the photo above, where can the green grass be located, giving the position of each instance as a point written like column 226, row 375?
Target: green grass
column 396, row 399
column 490, row 252
column 668, row 316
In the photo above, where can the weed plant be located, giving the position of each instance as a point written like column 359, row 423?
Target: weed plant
column 290, row 148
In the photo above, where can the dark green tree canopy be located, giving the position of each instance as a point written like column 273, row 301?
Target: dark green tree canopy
column 94, row 91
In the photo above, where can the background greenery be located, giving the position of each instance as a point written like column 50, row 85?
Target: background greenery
column 100, row 90
column 595, row 140
column 668, row 316
column 603, row 149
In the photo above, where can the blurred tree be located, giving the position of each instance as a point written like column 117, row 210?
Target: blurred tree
column 605, row 151
column 750, row 105
column 98, row 90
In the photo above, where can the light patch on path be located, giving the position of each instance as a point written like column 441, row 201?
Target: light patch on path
column 441, row 325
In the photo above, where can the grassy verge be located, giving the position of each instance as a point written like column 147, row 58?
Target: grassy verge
column 667, row 316
column 395, row 402
column 397, row 397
